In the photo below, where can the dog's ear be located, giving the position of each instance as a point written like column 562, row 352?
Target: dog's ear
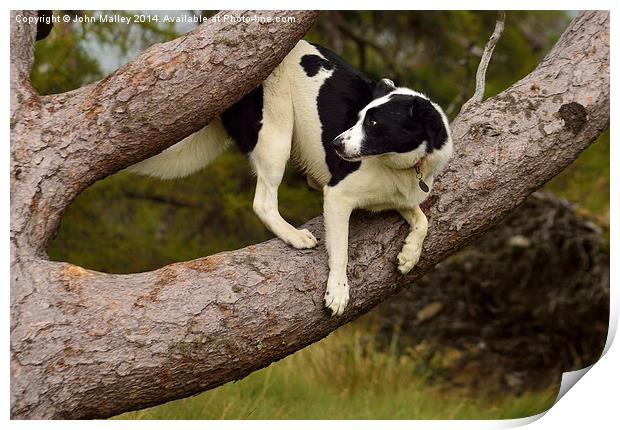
column 428, row 118
column 383, row 87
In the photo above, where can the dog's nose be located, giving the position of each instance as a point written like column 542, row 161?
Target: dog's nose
column 338, row 143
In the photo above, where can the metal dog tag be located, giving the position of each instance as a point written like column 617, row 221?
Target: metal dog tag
column 423, row 186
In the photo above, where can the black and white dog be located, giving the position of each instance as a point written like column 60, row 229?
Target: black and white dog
column 365, row 144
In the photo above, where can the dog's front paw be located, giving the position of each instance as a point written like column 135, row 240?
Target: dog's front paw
column 409, row 256
column 337, row 295
column 301, row 239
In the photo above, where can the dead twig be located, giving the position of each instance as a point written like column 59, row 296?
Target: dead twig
column 484, row 61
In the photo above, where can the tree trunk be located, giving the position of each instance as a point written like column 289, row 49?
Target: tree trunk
column 86, row 344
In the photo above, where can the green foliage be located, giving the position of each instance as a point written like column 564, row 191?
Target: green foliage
column 73, row 53
column 437, row 52
column 61, row 61
column 131, row 223
column 127, row 223
column 345, row 376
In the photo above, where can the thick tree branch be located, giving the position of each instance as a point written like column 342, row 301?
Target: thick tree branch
column 202, row 72
column 22, row 56
column 168, row 92
column 88, row 344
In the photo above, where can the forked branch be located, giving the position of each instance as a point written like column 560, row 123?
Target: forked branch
column 87, row 344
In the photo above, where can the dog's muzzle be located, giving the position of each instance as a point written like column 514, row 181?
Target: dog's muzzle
column 338, row 144
column 341, row 145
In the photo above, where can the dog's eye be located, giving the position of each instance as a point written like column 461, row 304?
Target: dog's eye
column 372, row 122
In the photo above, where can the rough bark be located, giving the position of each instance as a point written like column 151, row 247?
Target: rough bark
column 168, row 92
column 88, row 344
column 519, row 306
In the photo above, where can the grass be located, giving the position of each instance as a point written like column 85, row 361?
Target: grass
column 344, row 376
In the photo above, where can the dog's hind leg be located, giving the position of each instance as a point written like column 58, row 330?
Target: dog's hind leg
column 269, row 158
column 410, row 254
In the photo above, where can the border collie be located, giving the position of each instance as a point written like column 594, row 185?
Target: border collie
column 365, row 144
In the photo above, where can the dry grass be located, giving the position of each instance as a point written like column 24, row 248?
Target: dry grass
column 345, row 376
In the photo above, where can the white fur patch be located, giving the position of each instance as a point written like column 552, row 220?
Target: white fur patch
column 353, row 139
column 307, row 152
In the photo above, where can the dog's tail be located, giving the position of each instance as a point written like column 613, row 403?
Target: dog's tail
column 188, row 156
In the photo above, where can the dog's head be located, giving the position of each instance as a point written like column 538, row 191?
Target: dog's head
column 399, row 122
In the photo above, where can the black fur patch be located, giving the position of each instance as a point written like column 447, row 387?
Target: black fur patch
column 313, row 63
column 383, row 87
column 401, row 125
column 243, row 120
column 426, row 116
column 340, row 99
